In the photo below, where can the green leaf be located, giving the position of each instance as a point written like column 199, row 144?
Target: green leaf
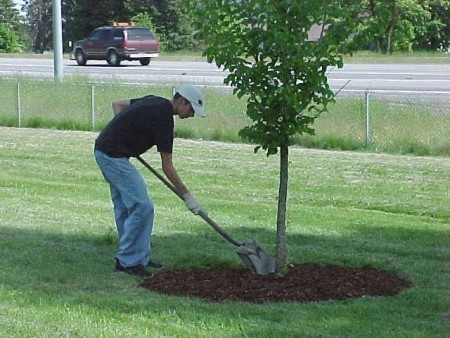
column 264, row 46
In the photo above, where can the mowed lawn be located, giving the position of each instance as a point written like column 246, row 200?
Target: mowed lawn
column 58, row 240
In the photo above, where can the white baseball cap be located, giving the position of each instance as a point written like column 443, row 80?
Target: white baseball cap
column 194, row 96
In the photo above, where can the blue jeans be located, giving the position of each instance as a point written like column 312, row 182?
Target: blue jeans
column 133, row 208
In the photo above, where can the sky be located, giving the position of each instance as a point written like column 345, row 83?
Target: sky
column 19, row 3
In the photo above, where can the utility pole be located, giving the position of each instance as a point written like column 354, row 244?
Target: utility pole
column 57, row 42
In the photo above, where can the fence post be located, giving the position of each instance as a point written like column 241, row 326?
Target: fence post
column 19, row 108
column 367, row 106
column 93, row 106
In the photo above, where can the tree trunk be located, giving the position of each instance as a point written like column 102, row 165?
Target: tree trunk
column 378, row 41
column 282, row 207
column 389, row 31
column 391, row 26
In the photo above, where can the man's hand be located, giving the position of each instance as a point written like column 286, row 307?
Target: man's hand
column 192, row 204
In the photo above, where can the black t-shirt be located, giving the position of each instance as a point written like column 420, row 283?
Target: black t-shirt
column 148, row 121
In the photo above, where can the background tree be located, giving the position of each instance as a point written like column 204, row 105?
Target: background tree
column 387, row 25
column 436, row 35
column 143, row 20
column 9, row 14
column 12, row 28
column 265, row 46
column 172, row 23
column 9, row 42
column 39, row 22
column 82, row 16
column 393, row 24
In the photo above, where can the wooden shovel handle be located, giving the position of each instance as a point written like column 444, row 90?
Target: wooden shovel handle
column 202, row 214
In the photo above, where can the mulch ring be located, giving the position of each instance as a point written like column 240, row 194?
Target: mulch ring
column 301, row 283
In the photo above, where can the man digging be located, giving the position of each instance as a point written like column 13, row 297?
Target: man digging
column 138, row 125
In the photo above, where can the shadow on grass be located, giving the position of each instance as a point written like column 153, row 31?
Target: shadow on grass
column 41, row 252
column 77, row 268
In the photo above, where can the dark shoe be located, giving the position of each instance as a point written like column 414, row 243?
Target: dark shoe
column 155, row 265
column 137, row 270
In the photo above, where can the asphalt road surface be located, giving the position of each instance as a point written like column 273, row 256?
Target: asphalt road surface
column 390, row 77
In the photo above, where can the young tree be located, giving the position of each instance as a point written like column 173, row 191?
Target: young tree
column 266, row 46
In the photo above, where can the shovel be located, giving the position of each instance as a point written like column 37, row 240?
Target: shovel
column 251, row 253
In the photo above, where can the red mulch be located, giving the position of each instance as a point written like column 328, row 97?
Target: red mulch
column 301, row 283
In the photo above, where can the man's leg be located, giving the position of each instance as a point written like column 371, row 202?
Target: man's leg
column 135, row 242
column 126, row 182
column 120, row 210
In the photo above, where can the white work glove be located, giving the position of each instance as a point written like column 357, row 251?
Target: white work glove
column 192, row 204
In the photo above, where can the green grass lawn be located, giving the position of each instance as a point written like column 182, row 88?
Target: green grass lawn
column 58, row 240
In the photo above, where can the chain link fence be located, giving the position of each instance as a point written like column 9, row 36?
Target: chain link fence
column 82, row 106
column 387, row 121
column 382, row 121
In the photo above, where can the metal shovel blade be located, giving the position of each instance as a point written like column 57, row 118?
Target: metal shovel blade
column 256, row 258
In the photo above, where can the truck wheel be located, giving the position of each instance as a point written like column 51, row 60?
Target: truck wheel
column 80, row 57
column 144, row 61
column 113, row 59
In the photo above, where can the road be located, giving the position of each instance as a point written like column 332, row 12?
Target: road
column 391, row 77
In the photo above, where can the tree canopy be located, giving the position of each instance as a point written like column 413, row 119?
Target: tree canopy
column 11, row 27
column 383, row 25
column 265, row 45
column 388, row 25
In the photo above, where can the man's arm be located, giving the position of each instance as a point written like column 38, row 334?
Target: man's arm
column 171, row 173
column 120, row 105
